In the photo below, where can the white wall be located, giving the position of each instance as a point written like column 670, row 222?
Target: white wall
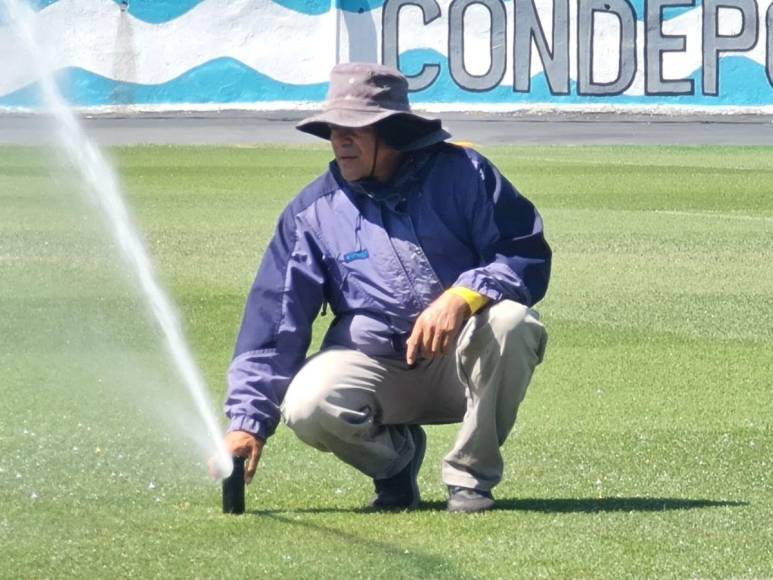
column 472, row 54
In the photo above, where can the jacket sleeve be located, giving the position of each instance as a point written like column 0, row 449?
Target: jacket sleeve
column 276, row 328
column 507, row 232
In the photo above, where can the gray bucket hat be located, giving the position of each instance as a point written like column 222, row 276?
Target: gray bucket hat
column 363, row 94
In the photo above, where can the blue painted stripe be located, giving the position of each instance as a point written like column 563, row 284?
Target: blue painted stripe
column 223, row 80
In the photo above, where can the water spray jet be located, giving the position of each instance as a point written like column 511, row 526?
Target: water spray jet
column 102, row 186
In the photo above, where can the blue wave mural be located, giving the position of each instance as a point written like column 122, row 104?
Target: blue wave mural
column 151, row 11
column 201, row 52
column 222, row 80
column 158, row 11
column 226, row 80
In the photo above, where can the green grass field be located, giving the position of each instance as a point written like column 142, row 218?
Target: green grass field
column 643, row 448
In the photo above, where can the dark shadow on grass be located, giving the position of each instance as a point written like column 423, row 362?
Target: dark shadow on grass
column 415, row 561
column 609, row 504
column 547, row 505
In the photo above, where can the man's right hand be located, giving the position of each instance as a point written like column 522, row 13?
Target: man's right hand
column 243, row 444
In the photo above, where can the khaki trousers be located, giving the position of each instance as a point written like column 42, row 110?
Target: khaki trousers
column 358, row 406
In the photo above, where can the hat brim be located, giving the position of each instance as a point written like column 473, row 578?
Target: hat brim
column 319, row 125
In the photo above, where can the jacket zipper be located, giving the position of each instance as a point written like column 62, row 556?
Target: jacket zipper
column 414, row 293
column 424, row 255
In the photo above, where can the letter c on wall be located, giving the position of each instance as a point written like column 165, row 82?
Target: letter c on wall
column 390, row 49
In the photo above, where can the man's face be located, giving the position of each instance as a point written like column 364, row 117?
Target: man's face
column 354, row 150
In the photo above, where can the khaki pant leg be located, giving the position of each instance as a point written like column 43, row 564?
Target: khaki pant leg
column 357, row 407
column 496, row 354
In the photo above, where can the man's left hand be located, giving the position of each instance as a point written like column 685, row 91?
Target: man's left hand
column 437, row 327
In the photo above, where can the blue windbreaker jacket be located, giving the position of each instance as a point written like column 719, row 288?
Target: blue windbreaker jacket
column 379, row 255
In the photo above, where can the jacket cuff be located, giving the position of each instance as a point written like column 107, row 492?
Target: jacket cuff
column 475, row 300
column 478, row 281
column 248, row 424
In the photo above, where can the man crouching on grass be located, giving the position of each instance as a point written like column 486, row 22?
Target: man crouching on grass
column 430, row 261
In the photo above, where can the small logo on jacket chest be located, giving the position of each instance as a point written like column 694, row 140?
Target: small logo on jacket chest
column 358, row 255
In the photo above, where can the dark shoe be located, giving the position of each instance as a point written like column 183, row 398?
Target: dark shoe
column 464, row 499
column 401, row 491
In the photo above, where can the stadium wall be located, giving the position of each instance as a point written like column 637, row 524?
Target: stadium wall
column 458, row 54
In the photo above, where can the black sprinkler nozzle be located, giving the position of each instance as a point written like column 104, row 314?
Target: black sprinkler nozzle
column 233, row 489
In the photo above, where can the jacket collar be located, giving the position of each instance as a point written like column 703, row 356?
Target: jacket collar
column 407, row 176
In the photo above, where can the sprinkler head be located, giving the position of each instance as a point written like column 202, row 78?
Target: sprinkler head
column 233, row 489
